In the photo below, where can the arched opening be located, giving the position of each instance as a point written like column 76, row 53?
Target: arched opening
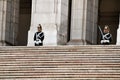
column 109, row 15
column 24, row 21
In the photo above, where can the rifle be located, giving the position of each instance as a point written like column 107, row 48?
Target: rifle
column 101, row 32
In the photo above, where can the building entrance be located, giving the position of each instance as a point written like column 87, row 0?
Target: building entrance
column 24, row 21
column 109, row 15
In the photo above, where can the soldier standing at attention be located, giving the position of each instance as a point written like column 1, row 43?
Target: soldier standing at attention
column 106, row 37
column 39, row 36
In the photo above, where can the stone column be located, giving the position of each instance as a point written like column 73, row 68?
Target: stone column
column 84, row 22
column 63, row 21
column 92, row 22
column 118, row 33
column 3, row 5
column 44, row 13
column 12, row 22
column 9, row 12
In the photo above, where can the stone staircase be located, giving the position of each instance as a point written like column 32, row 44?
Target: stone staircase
column 60, row 63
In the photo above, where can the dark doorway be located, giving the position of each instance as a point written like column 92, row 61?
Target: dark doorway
column 109, row 15
column 24, row 21
column 69, row 19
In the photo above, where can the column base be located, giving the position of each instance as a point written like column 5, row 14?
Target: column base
column 78, row 42
column 5, row 43
column 2, row 43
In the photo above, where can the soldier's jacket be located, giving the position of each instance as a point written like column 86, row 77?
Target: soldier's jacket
column 39, row 36
column 106, row 38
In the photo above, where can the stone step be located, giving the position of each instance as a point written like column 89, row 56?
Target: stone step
column 54, row 75
column 60, row 63
column 61, row 51
column 78, row 66
column 62, row 55
column 60, row 70
column 61, row 48
column 63, row 78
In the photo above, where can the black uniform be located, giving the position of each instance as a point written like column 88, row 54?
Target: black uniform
column 38, row 38
column 106, row 38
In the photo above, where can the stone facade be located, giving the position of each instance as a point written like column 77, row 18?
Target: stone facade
column 54, row 15
column 64, row 22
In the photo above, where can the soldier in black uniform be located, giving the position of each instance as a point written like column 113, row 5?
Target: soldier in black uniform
column 106, row 37
column 39, row 36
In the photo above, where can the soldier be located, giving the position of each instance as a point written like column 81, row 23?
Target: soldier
column 39, row 36
column 106, row 37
